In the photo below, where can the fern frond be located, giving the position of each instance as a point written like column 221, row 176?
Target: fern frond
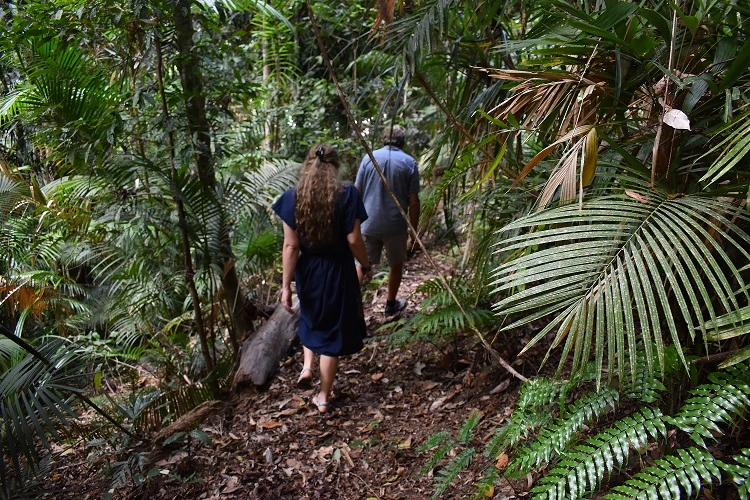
column 739, row 472
column 437, row 456
column 586, row 465
column 505, row 437
column 434, row 440
column 645, row 387
column 447, row 474
column 537, row 394
column 726, row 396
column 536, row 397
column 555, row 438
column 451, row 319
column 467, row 429
column 486, row 485
column 670, row 476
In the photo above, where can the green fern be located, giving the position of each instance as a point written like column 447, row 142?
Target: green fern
column 739, row 472
column 671, row 475
column 440, row 319
column 585, row 466
column 581, row 468
column 450, row 320
column 467, row 429
column 726, row 396
column 486, row 485
column 442, row 443
column 554, row 439
column 536, row 401
column 538, row 394
column 447, row 474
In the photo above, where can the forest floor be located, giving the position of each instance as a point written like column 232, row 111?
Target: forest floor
column 272, row 443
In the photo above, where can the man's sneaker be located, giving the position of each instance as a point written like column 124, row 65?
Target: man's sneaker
column 395, row 308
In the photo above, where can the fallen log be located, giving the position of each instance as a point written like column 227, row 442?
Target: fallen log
column 187, row 421
column 260, row 354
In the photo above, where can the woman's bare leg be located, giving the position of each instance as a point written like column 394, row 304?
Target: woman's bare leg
column 309, row 358
column 305, row 380
column 328, row 368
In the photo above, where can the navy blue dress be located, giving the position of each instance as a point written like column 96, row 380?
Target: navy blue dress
column 332, row 320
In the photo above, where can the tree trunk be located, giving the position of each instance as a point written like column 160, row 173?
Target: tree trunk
column 182, row 218
column 188, row 64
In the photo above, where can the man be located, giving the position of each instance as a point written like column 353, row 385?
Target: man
column 386, row 228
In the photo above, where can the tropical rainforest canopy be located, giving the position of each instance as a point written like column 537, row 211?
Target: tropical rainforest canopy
column 585, row 168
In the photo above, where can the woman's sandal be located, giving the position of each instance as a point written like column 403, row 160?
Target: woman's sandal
column 305, row 382
column 322, row 406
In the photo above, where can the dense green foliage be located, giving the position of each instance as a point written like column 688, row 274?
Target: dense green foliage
column 587, row 160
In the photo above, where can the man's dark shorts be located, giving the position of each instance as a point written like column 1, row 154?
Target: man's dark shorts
column 395, row 248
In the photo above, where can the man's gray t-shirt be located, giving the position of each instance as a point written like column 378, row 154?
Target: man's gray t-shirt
column 403, row 175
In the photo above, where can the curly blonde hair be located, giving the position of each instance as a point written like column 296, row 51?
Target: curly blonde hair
column 317, row 194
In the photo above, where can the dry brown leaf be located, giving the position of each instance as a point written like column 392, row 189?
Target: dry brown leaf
column 636, row 196
column 345, row 452
column 232, row 485
column 590, row 157
column 501, row 386
column 438, row 403
column 270, row 424
column 376, row 376
column 677, row 119
column 324, row 451
column 286, row 413
column 428, row 385
column 405, row 445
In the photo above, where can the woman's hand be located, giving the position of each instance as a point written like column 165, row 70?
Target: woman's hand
column 366, row 275
column 286, row 298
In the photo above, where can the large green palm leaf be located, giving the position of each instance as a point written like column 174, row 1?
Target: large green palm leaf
column 623, row 270
column 66, row 96
column 35, row 405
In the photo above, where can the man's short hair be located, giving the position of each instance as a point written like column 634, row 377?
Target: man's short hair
column 394, row 135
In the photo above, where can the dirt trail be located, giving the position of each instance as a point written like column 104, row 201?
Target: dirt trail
column 274, row 444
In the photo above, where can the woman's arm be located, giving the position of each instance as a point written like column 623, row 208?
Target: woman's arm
column 289, row 256
column 357, row 246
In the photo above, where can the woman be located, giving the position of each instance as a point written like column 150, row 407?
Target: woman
column 321, row 219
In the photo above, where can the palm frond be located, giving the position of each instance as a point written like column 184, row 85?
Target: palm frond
column 604, row 272
column 65, row 89
column 730, row 151
column 415, row 33
column 168, row 406
column 258, row 189
column 35, row 404
column 253, row 5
